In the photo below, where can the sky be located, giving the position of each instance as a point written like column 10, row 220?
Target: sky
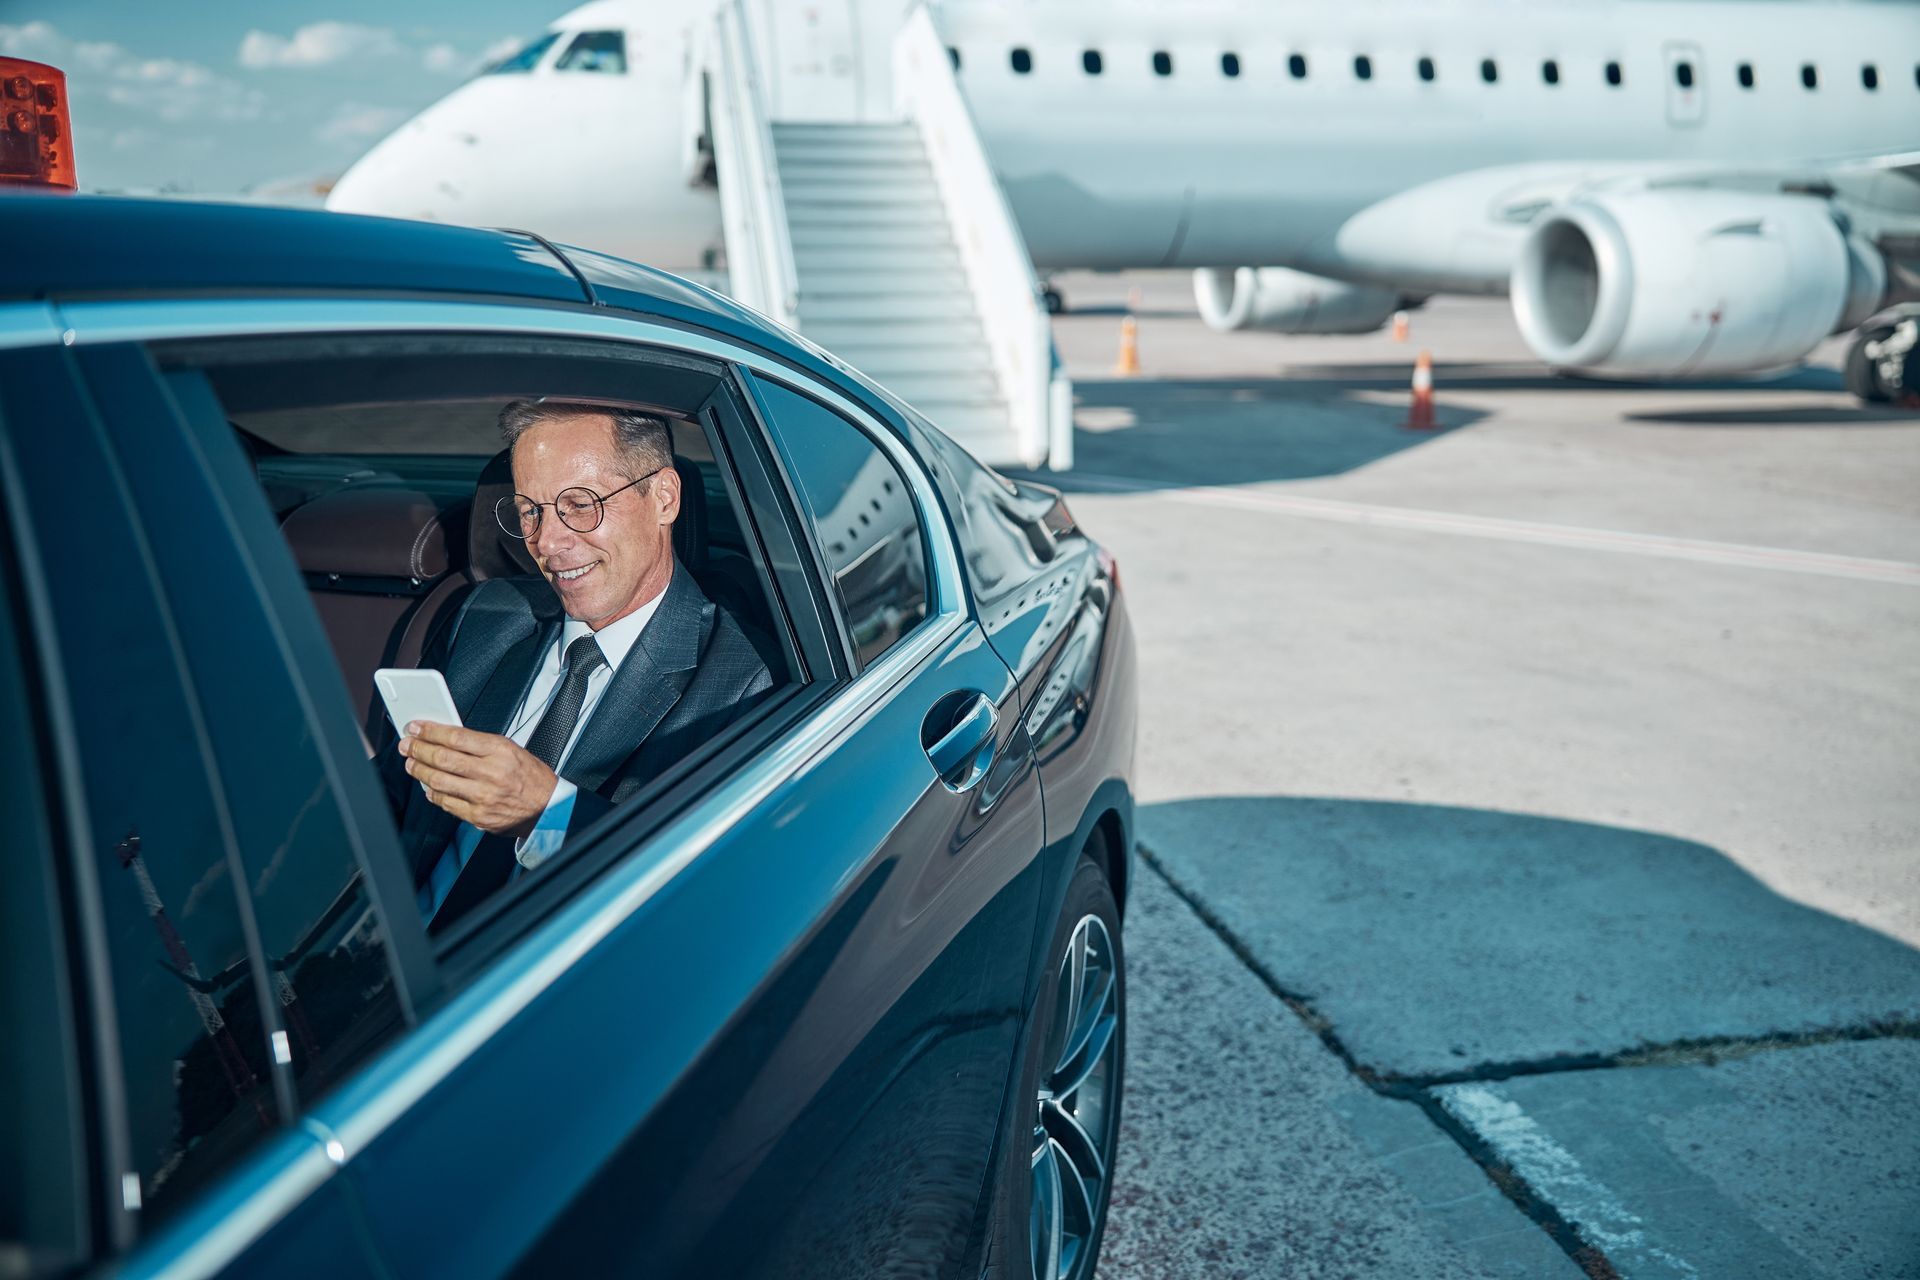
column 224, row 97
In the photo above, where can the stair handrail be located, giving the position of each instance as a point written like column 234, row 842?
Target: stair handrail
column 993, row 253
column 753, row 208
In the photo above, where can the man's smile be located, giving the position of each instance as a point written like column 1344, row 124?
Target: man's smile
column 575, row 574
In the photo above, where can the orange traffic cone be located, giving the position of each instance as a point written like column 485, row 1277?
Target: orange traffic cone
column 1129, row 362
column 1401, row 326
column 1420, row 415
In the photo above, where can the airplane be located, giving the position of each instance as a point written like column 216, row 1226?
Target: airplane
column 1665, row 189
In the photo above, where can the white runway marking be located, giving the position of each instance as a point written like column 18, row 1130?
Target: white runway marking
column 1558, row 1178
column 1699, row 550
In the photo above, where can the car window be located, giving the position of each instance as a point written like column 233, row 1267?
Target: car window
column 43, row 1201
column 155, row 842
column 384, row 474
column 863, row 518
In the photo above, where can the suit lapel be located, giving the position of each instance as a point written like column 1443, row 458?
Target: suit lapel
column 655, row 673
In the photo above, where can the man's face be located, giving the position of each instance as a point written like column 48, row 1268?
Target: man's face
column 603, row 575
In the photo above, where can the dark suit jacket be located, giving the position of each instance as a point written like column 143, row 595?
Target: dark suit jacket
column 691, row 673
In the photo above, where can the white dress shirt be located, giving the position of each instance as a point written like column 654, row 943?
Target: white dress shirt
column 616, row 640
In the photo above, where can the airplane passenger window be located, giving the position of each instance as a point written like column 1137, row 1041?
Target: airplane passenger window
column 525, row 60
column 1426, row 69
column 1091, row 61
column 1162, row 63
column 1809, row 76
column 953, row 56
column 1683, row 74
column 1613, row 74
column 1022, row 61
column 1488, row 71
column 1550, row 71
column 1746, row 75
column 1297, row 67
column 1870, row 77
column 1230, row 65
column 1362, row 67
column 601, row 51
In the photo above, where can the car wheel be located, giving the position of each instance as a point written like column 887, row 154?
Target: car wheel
column 1055, row 1176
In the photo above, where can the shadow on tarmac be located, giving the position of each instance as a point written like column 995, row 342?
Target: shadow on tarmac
column 1474, row 376
column 1182, row 434
column 1446, row 944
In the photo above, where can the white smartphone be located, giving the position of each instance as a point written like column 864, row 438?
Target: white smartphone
column 415, row 694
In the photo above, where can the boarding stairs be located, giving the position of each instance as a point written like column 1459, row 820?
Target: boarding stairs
column 889, row 243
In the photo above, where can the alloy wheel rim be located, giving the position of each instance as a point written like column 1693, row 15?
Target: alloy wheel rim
column 1075, row 1105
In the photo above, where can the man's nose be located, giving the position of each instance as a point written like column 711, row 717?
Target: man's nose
column 552, row 537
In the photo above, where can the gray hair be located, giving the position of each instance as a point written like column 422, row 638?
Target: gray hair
column 645, row 441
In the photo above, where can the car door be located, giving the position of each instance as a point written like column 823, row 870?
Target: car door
column 771, row 1032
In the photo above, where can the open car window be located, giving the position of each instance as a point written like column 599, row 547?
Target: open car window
column 381, row 462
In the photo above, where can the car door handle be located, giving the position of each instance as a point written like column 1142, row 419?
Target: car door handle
column 958, row 737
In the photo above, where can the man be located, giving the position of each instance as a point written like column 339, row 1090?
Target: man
column 578, row 690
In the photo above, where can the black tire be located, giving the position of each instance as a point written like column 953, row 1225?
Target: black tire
column 1862, row 378
column 1055, row 300
column 1012, row 1233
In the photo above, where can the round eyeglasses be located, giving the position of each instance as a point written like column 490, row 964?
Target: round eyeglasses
column 579, row 508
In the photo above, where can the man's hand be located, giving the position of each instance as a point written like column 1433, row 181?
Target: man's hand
column 477, row 777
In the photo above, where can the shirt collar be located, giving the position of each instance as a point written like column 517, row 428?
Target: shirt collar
column 616, row 638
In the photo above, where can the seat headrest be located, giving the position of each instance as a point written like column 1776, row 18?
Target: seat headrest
column 493, row 553
column 373, row 531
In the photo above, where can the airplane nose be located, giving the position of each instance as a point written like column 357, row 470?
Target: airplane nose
column 404, row 176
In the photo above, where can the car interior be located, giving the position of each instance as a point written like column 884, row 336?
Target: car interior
column 390, row 545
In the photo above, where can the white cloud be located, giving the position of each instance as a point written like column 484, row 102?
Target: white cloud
column 442, row 58
column 318, row 44
column 357, row 121
column 163, row 88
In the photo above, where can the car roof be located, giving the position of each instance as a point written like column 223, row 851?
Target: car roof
column 62, row 245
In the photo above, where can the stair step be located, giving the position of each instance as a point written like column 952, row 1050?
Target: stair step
column 985, row 425
column 928, row 360
column 917, row 333
column 902, row 195
column 831, row 259
column 865, row 282
column 843, row 233
column 910, row 306
column 868, row 128
column 856, row 168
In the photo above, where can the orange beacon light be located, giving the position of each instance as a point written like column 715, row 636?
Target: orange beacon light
column 36, row 135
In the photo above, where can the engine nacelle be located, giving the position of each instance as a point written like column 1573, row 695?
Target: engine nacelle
column 1688, row 283
column 1282, row 300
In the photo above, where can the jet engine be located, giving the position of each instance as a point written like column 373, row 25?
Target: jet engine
column 1282, row 300
column 1663, row 284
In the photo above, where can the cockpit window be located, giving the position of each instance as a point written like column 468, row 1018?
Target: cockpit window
column 596, row 51
column 527, row 59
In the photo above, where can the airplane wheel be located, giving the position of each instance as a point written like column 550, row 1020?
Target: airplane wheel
column 1863, row 379
column 1056, row 302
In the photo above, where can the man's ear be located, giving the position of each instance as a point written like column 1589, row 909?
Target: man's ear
column 668, row 481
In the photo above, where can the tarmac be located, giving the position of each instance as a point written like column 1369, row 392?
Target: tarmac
column 1530, row 808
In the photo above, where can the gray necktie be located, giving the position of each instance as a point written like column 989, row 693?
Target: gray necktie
column 550, row 736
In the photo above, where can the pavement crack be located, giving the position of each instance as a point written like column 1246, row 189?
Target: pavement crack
column 1591, row 1260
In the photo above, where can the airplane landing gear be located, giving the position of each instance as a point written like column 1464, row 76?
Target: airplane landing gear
column 1883, row 361
column 1055, row 300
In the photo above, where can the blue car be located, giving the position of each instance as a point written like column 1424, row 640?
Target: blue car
column 838, row 993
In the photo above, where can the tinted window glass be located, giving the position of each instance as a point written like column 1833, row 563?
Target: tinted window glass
column 1090, row 61
column 325, row 949
column 1809, row 76
column 528, row 57
column 42, row 1162
column 1363, row 67
column 1022, row 61
column 1426, row 68
column 863, row 516
column 1614, row 77
column 603, row 51
column 1297, row 66
column 1550, row 71
column 1230, row 65
column 1746, row 75
column 1683, row 74
column 188, row 1013
column 1163, row 64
